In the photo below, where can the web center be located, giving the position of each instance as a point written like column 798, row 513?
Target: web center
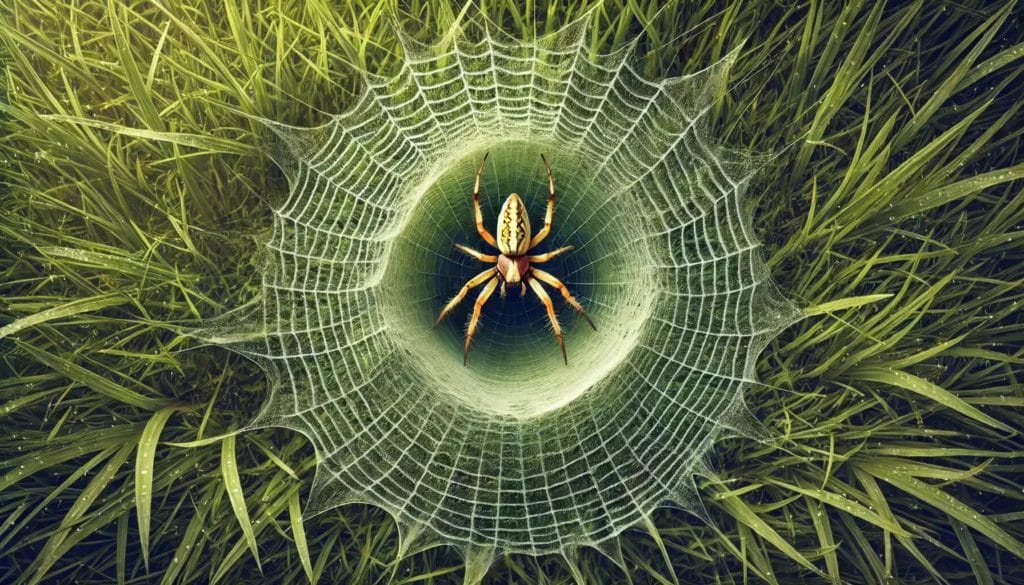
column 515, row 365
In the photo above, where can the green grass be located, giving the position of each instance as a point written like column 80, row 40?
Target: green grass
column 893, row 211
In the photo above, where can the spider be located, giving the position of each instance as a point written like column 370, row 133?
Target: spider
column 513, row 265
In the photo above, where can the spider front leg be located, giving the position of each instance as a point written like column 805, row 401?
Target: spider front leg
column 486, row 235
column 544, row 298
column 472, row 283
column 550, row 279
column 490, row 258
column 480, row 300
column 550, row 213
column 538, row 258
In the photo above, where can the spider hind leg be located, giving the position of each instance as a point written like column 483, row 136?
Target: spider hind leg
column 477, row 306
column 472, row 283
column 546, row 300
column 554, row 282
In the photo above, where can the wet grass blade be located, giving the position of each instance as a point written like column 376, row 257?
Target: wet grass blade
column 93, row 380
column 233, row 486
column 843, row 304
column 88, row 496
column 742, row 513
column 299, row 534
column 902, row 477
column 974, row 555
column 930, row 390
column 145, row 465
column 75, row 307
column 847, row 505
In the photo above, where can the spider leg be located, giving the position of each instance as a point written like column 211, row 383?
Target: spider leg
column 471, row 283
column 548, row 278
column 479, row 256
column 537, row 259
column 550, row 213
column 480, row 300
column 544, row 298
column 486, row 235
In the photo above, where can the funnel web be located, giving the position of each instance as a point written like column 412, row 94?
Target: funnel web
column 516, row 452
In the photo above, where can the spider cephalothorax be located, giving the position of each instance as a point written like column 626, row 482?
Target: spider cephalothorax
column 513, row 265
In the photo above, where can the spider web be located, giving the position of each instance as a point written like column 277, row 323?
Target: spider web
column 517, row 452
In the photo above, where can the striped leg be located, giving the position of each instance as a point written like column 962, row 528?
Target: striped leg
column 550, row 213
column 544, row 298
column 479, row 256
column 539, row 258
column 472, row 283
column 480, row 300
column 548, row 278
column 486, row 235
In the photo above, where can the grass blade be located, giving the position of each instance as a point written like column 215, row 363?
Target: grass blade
column 954, row 191
column 847, row 505
column 901, row 379
column 93, row 380
column 52, row 550
column 200, row 141
column 974, row 556
column 299, row 534
column 68, row 309
column 935, row 497
column 842, row 304
column 233, row 485
column 739, row 510
column 144, row 468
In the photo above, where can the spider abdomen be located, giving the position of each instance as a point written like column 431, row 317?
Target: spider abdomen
column 513, row 227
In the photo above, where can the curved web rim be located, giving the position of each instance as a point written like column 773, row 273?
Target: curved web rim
column 388, row 421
